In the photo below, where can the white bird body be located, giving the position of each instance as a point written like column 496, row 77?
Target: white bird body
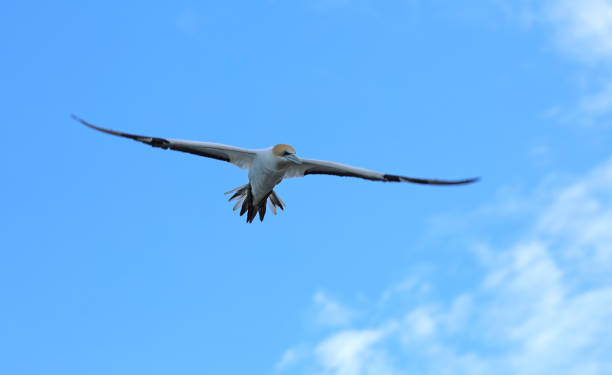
column 265, row 173
column 267, row 168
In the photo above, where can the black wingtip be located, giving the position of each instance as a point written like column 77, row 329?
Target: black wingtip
column 468, row 181
column 425, row 181
column 77, row 118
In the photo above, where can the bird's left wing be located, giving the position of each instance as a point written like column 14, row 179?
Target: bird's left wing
column 310, row 166
column 243, row 158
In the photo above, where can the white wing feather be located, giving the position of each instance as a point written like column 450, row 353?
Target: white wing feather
column 311, row 166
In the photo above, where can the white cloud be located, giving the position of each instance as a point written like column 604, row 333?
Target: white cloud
column 411, row 284
column 330, row 312
column 598, row 103
column 529, row 309
column 584, row 30
column 290, row 357
column 583, row 27
column 458, row 313
column 351, row 353
column 540, row 306
column 579, row 221
column 420, row 323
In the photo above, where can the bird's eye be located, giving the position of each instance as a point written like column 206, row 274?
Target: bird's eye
column 285, row 153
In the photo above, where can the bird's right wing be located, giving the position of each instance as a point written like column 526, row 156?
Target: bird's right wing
column 311, row 166
column 241, row 157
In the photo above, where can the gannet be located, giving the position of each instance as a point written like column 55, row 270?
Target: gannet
column 267, row 168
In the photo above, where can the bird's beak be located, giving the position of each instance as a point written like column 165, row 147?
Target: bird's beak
column 294, row 159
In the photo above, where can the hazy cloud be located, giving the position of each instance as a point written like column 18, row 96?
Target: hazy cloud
column 330, row 312
column 532, row 312
column 351, row 352
column 289, row 358
column 582, row 30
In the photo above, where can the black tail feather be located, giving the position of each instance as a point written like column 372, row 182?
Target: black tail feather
column 262, row 209
column 245, row 201
column 235, row 195
column 252, row 212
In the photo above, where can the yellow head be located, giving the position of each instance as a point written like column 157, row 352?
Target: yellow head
column 281, row 149
column 286, row 153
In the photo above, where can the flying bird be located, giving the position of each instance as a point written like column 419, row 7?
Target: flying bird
column 267, row 168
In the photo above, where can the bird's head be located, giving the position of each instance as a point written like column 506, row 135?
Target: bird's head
column 286, row 153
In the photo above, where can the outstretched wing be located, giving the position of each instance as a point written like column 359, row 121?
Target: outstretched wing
column 243, row 158
column 310, row 166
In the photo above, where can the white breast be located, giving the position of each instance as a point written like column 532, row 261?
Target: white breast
column 264, row 174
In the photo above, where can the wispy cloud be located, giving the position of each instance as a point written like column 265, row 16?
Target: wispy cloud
column 330, row 312
column 533, row 311
column 579, row 221
column 583, row 28
column 582, row 31
column 597, row 103
column 290, row 357
column 352, row 352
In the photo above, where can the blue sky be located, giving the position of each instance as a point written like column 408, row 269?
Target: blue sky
column 118, row 258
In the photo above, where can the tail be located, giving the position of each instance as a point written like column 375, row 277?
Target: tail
column 244, row 199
